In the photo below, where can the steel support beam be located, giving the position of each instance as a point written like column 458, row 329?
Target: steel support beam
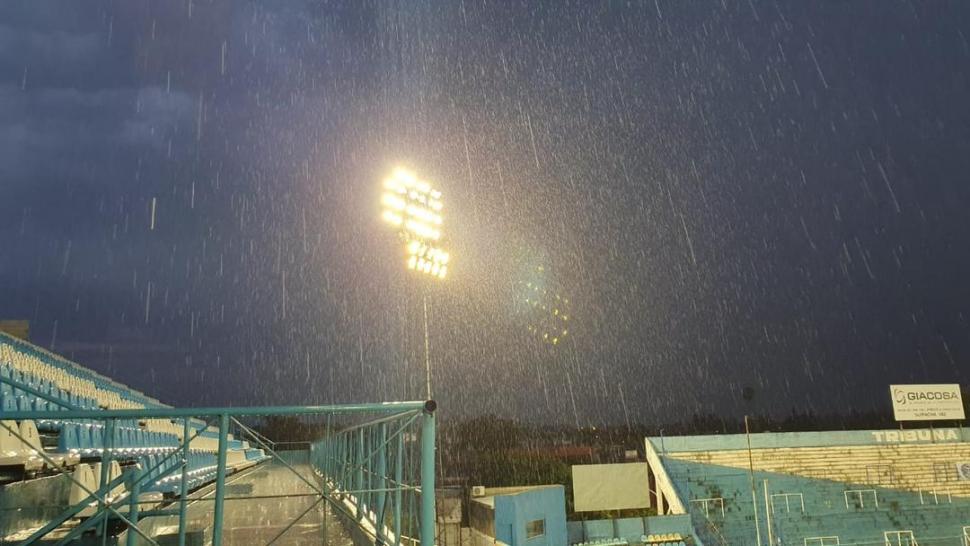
column 184, row 486
column 220, row 480
column 381, row 484
column 427, row 476
column 171, row 413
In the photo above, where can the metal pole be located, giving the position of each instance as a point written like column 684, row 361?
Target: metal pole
column 220, row 480
column 134, row 493
column 771, row 538
column 103, row 479
column 754, row 495
column 427, row 476
column 427, row 352
column 326, row 509
column 183, row 487
column 359, row 476
column 365, row 495
column 398, row 476
column 382, row 483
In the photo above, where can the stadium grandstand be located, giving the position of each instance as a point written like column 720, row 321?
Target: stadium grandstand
column 875, row 487
column 86, row 460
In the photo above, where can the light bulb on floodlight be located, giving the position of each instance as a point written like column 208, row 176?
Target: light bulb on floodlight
column 391, row 218
column 414, row 207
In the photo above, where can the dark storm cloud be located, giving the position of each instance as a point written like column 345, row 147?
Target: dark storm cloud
column 63, row 51
column 49, row 131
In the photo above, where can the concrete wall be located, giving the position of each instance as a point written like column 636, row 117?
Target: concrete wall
column 668, row 501
column 513, row 512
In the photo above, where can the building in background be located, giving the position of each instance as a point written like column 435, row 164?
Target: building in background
column 17, row 328
column 516, row 516
column 892, row 487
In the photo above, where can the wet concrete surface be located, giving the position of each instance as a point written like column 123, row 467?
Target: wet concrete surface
column 253, row 521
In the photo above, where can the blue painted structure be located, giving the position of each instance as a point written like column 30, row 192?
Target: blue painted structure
column 90, row 418
column 514, row 510
column 856, row 513
column 825, row 512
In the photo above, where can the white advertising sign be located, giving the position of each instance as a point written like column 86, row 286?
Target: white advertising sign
column 610, row 487
column 927, row 402
column 963, row 471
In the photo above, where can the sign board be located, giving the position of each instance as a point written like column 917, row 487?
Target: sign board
column 927, row 402
column 610, row 487
column 915, row 436
column 963, row 471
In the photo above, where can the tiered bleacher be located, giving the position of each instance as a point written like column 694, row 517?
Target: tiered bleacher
column 887, row 488
column 32, row 379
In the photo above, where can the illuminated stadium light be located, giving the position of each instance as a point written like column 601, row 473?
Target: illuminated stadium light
column 413, row 204
column 427, row 259
column 413, row 208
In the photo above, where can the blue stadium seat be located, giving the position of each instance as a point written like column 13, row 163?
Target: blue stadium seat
column 58, row 380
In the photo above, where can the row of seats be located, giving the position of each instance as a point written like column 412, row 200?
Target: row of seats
column 88, row 439
column 856, row 513
column 164, row 479
column 42, row 385
column 90, row 477
column 76, row 441
column 663, row 538
column 671, row 539
column 55, row 396
column 913, row 467
column 32, row 379
column 29, row 359
column 25, row 453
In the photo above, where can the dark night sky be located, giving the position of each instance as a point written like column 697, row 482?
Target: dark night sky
column 739, row 193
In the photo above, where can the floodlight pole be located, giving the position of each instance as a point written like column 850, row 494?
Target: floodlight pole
column 427, row 351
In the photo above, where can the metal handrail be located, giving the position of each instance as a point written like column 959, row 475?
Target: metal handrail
column 379, row 445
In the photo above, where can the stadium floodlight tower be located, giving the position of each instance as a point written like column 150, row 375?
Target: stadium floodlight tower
column 413, row 208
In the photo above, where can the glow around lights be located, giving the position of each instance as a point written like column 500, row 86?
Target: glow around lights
column 549, row 313
column 413, row 204
column 413, row 207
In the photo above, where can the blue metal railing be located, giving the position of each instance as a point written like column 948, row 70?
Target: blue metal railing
column 371, row 468
column 377, row 471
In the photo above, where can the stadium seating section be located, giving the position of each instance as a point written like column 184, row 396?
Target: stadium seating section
column 887, row 494
column 32, row 379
